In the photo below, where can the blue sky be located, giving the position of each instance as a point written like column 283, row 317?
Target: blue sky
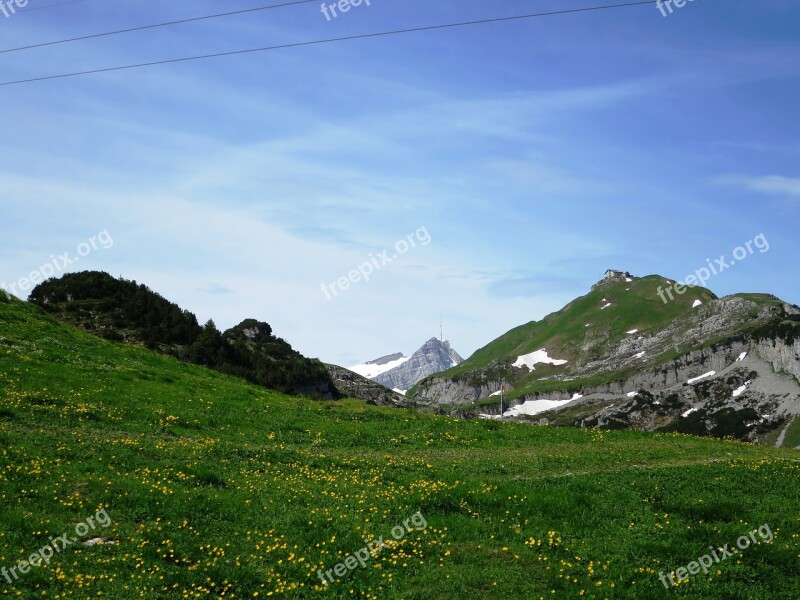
column 535, row 153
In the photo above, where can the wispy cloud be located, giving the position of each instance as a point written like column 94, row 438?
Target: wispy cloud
column 523, row 284
column 768, row 184
column 332, row 235
column 216, row 288
column 514, row 283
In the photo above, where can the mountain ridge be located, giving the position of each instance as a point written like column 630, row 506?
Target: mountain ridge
column 601, row 350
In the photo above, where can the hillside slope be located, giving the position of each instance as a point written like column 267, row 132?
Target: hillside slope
column 125, row 311
column 594, row 355
column 218, row 488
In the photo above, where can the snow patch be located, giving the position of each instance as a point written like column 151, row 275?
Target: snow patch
column 399, row 391
column 628, row 280
column 605, row 306
column 742, row 356
column 631, row 394
column 690, row 411
column 576, row 397
column 497, row 393
column 703, row 376
column 639, row 355
column 534, row 407
column 741, row 390
column 697, row 303
column 632, row 331
column 535, row 358
column 372, row 371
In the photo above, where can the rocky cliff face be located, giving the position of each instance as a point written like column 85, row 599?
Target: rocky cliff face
column 449, row 391
column 782, row 355
column 434, row 357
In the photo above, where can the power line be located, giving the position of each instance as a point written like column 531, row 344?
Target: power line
column 332, row 40
column 153, row 26
column 145, row 27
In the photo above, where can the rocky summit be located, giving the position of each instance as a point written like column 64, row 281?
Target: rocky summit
column 399, row 372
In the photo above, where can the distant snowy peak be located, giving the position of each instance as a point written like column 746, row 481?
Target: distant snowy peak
column 399, row 372
column 373, row 368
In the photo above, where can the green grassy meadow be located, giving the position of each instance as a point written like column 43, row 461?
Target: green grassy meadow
column 220, row 489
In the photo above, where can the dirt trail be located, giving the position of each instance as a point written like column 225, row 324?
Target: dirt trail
column 781, row 437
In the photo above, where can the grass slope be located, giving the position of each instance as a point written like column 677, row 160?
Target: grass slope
column 217, row 488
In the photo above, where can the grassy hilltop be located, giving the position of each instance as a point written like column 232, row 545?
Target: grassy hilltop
column 607, row 313
column 221, row 489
